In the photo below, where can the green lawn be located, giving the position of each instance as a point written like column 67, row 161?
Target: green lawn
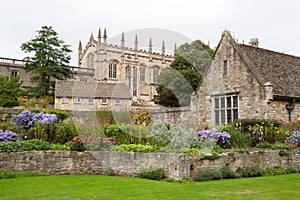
column 108, row 187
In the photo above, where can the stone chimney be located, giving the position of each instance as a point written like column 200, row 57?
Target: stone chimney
column 268, row 89
column 254, row 42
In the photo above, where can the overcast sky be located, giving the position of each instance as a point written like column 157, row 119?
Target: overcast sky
column 274, row 22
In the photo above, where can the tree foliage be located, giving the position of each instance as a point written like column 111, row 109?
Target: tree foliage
column 189, row 62
column 50, row 60
column 9, row 90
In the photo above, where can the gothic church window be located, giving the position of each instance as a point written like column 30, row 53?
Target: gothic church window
column 155, row 75
column 142, row 74
column 112, row 69
column 128, row 75
column 134, row 81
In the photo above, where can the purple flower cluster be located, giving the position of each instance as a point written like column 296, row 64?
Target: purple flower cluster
column 26, row 119
column 8, row 136
column 212, row 134
column 294, row 138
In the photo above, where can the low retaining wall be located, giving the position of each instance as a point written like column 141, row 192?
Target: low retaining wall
column 175, row 166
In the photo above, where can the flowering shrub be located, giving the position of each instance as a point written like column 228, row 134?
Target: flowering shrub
column 23, row 120
column 294, row 138
column 8, row 136
column 213, row 135
column 26, row 119
column 28, row 145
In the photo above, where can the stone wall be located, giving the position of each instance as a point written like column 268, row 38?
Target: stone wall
column 6, row 113
column 176, row 116
column 175, row 166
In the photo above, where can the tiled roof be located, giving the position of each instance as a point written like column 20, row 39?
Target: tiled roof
column 91, row 89
column 282, row 70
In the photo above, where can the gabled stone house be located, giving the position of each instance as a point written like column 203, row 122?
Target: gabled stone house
column 91, row 96
column 245, row 81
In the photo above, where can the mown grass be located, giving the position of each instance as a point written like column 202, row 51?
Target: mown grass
column 107, row 187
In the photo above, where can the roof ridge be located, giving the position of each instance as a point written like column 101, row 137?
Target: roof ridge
column 268, row 50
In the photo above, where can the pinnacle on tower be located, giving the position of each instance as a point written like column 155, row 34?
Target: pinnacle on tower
column 150, row 44
column 104, row 35
column 136, row 43
column 122, row 39
column 163, row 48
column 80, row 46
column 91, row 38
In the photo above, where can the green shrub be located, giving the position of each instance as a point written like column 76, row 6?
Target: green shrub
column 11, row 174
column 244, row 124
column 238, row 139
column 128, row 134
column 105, row 117
column 249, row 171
column 134, row 148
column 28, row 145
column 227, row 173
column 63, row 147
column 264, row 145
column 277, row 170
column 59, row 132
column 208, row 174
column 152, row 173
column 76, row 144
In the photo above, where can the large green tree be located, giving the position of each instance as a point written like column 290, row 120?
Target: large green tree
column 50, row 61
column 9, row 91
column 190, row 60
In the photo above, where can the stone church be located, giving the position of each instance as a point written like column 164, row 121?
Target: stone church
column 113, row 65
column 246, row 81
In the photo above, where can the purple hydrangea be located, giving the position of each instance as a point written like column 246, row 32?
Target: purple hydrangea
column 294, row 138
column 46, row 118
column 212, row 134
column 8, row 136
column 26, row 119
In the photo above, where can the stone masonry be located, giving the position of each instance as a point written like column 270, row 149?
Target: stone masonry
column 175, row 166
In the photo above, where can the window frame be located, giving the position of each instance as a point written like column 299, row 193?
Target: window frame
column 77, row 100
column 226, row 108
column 118, row 101
column 64, row 100
column 143, row 74
column 91, row 100
column 112, row 69
column 225, row 67
column 104, row 101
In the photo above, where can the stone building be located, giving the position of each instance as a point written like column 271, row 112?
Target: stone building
column 120, row 64
column 9, row 66
column 88, row 96
column 245, row 81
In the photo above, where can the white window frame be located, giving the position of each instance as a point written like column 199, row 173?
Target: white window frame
column 76, row 99
column 226, row 109
column 118, row 101
column 104, row 101
column 64, row 100
column 91, row 100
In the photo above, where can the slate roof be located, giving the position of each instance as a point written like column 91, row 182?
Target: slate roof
column 282, row 70
column 92, row 89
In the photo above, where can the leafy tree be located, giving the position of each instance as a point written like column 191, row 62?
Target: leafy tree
column 189, row 62
column 9, row 91
column 50, row 60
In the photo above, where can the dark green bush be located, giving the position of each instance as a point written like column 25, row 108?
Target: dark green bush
column 277, row 170
column 105, row 117
column 249, row 171
column 238, row 139
column 59, row 132
column 227, row 173
column 208, row 174
column 264, row 145
column 152, row 173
